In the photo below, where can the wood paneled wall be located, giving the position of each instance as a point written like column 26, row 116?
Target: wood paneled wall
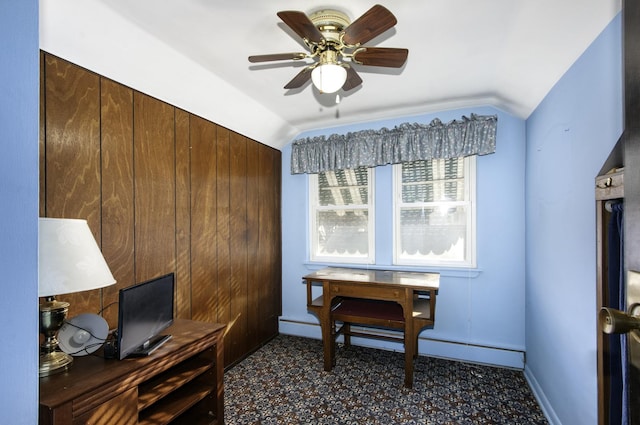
column 164, row 191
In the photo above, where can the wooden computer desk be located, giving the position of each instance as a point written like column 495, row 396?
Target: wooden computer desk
column 404, row 301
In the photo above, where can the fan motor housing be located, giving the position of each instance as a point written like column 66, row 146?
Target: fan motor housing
column 330, row 23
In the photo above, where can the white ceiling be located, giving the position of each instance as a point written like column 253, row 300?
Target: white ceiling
column 193, row 54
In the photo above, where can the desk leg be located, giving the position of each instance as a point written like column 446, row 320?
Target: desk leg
column 408, row 361
column 328, row 331
column 410, row 343
column 328, row 344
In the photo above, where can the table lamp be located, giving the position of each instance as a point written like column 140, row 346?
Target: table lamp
column 69, row 261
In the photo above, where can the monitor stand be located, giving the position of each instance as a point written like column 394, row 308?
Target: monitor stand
column 150, row 346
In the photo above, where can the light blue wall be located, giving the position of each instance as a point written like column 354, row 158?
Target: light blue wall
column 19, row 105
column 481, row 309
column 569, row 137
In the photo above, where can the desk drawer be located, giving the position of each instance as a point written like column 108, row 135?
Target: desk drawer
column 371, row 292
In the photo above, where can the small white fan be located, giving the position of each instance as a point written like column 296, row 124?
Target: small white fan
column 83, row 334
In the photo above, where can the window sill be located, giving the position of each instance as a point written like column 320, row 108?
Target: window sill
column 469, row 273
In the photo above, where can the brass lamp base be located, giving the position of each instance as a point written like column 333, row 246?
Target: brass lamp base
column 54, row 362
column 52, row 315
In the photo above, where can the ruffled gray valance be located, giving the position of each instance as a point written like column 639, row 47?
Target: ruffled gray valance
column 403, row 143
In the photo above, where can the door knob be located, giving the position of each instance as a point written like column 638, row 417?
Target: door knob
column 615, row 321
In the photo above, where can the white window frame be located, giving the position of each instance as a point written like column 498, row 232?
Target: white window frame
column 470, row 201
column 314, row 207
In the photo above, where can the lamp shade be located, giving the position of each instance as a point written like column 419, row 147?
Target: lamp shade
column 328, row 78
column 69, row 258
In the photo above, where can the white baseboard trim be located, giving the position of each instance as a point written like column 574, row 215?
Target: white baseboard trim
column 494, row 356
column 548, row 411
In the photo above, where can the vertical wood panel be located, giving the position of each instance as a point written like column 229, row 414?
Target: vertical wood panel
column 183, row 216
column 72, row 155
column 254, row 277
column 263, row 242
column 238, row 203
column 267, row 259
column 117, row 191
column 222, row 225
column 203, row 220
column 276, row 241
column 154, row 177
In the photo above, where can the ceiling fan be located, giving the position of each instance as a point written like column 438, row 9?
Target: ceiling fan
column 335, row 43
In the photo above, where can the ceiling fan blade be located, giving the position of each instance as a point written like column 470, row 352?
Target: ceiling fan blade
column 302, row 77
column 353, row 79
column 277, row 57
column 301, row 25
column 374, row 22
column 381, row 56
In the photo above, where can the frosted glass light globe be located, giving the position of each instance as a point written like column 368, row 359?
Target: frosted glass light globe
column 329, row 78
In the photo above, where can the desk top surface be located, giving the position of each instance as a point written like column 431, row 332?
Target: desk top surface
column 416, row 280
column 93, row 371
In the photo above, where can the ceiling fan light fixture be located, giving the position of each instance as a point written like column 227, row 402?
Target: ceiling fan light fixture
column 331, row 38
column 329, row 78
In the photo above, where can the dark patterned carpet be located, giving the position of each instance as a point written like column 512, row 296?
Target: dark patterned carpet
column 284, row 383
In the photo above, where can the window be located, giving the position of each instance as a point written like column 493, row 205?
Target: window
column 434, row 213
column 342, row 216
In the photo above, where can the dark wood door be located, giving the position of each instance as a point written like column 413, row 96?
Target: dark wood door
column 631, row 43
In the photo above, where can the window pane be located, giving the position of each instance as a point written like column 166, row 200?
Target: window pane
column 437, row 232
column 433, row 180
column 343, row 232
column 343, row 187
column 435, row 213
column 341, row 227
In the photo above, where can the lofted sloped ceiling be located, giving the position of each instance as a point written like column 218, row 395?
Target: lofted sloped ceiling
column 193, row 54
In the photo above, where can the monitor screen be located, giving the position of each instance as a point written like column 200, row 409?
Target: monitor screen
column 145, row 310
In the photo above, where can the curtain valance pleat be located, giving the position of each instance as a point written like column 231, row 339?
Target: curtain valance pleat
column 403, row 143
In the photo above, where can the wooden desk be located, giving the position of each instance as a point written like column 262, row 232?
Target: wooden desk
column 181, row 382
column 371, row 297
